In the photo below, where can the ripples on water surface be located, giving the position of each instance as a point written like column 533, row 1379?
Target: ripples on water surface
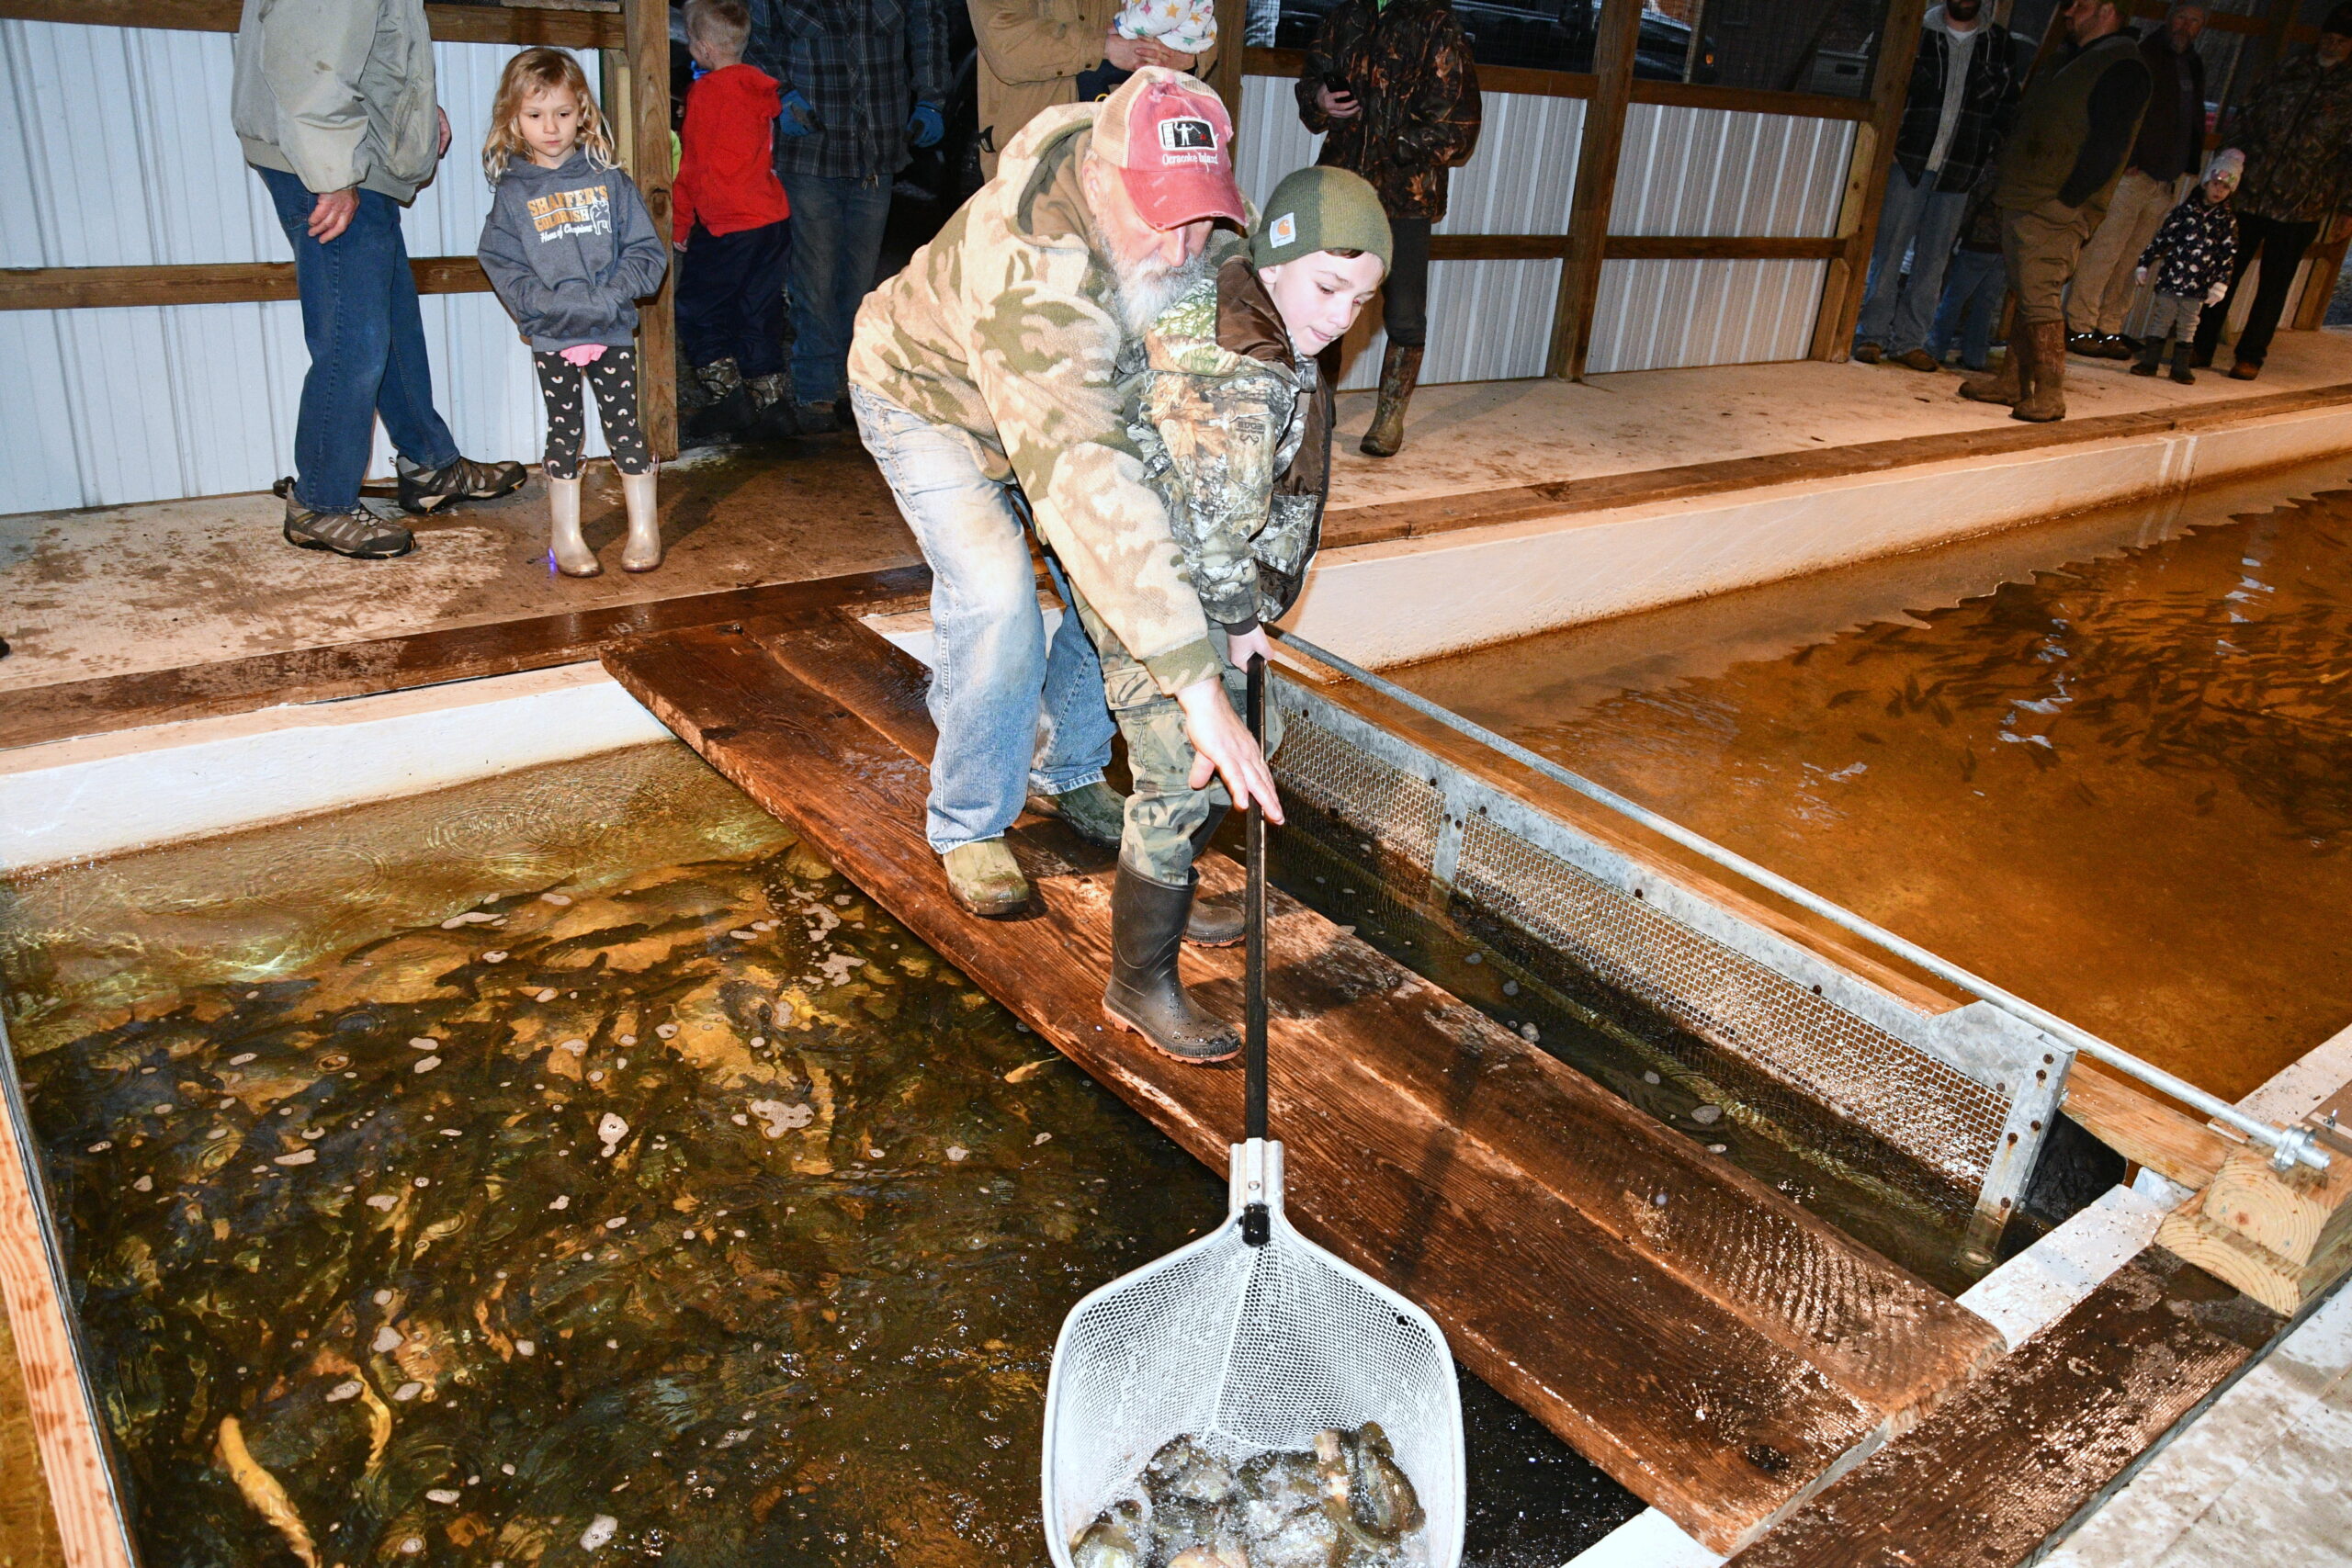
column 571, row 1167
column 2121, row 786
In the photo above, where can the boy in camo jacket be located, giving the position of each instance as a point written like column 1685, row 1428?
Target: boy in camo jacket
column 1233, row 416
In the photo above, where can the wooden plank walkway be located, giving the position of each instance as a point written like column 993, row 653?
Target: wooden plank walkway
column 1712, row 1346
column 2020, row 1453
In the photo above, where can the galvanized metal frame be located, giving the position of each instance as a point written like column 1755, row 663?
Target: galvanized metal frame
column 2004, row 1054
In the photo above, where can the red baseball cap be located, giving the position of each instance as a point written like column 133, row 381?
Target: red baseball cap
column 1172, row 142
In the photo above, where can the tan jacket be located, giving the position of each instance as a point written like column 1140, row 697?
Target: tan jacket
column 1004, row 332
column 1031, row 53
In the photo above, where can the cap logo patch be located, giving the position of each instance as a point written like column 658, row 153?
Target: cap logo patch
column 1286, row 228
column 1188, row 134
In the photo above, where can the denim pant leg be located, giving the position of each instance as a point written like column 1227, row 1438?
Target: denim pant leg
column 404, row 400
column 1936, row 231
column 1898, row 218
column 1075, row 746
column 837, row 242
column 1982, row 283
column 346, row 290
column 989, row 658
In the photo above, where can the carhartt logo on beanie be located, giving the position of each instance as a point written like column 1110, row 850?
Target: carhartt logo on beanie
column 1322, row 209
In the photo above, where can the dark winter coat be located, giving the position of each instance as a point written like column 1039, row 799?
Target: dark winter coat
column 2197, row 241
column 1410, row 67
column 2296, row 131
column 1988, row 102
column 2168, row 148
column 571, row 251
column 2074, row 128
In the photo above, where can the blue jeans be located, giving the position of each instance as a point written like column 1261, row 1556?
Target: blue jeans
column 1012, row 710
column 1925, row 222
column 1971, row 305
column 367, row 343
column 836, row 244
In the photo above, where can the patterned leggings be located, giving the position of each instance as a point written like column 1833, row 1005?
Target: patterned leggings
column 614, row 378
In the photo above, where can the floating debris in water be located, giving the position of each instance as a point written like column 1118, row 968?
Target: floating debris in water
column 599, row 1533
column 1706, row 1116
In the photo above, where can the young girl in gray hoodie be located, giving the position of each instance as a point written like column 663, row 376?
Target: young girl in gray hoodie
column 571, row 248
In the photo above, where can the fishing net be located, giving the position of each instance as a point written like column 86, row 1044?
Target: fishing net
column 1247, row 1349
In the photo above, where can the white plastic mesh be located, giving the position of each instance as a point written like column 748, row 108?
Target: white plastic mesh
column 1247, row 1349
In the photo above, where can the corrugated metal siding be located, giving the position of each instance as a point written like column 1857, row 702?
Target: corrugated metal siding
column 116, row 150
column 1687, row 171
column 1489, row 319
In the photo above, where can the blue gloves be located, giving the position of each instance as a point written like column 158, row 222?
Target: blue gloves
column 926, row 125
column 799, row 115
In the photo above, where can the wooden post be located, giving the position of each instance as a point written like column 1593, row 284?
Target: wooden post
column 1225, row 71
column 648, row 136
column 1848, row 274
column 1617, row 34
column 2274, row 37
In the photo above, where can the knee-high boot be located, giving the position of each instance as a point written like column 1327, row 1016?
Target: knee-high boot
column 2005, row 384
column 2045, row 398
column 1400, row 370
column 1145, row 995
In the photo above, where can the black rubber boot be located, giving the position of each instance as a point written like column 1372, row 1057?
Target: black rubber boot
column 1145, row 993
column 1218, row 923
column 2180, row 370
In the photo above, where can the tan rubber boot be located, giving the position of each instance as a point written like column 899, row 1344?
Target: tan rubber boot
column 642, row 551
column 2005, row 384
column 2045, row 398
column 565, row 546
column 1400, row 370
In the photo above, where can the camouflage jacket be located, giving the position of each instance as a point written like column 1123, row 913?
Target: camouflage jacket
column 1005, row 331
column 1237, row 431
column 1408, row 65
column 2296, row 131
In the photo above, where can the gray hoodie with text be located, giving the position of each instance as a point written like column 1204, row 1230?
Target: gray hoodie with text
column 569, row 251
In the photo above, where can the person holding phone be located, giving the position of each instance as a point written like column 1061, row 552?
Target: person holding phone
column 1390, row 86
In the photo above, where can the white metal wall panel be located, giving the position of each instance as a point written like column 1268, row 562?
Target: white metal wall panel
column 1489, row 319
column 1660, row 315
column 1692, row 171
column 116, row 150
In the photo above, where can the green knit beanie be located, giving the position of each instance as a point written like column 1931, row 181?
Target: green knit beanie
column 1322, row 209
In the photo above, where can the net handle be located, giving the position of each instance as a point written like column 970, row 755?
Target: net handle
column 1255, row 1228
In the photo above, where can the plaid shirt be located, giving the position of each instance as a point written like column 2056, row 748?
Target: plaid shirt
column 865, row 64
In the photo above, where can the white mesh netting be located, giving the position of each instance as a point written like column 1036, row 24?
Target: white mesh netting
column 1247, row 1349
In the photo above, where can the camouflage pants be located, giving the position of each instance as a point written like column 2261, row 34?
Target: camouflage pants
column 1163, row 809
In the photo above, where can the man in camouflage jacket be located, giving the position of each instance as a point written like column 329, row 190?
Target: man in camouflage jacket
column 2296, row 131
column 986, row 375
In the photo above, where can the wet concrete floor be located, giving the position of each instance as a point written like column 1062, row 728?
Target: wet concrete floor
column 570, row 1166
column 2106, row 762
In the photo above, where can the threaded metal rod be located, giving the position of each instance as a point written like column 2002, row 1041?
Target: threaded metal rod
column 2288, row 1146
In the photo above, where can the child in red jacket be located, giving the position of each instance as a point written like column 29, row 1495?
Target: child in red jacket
column 729, row 215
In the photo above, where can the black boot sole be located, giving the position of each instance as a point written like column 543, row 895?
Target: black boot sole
column 1122, row 1020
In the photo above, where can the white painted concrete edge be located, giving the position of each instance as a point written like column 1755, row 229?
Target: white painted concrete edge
column 102, row 794
column 1372, row 602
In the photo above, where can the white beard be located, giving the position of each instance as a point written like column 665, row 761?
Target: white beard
column 1145, row 292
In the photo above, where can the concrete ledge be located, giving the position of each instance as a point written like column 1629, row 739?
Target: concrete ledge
column 1378, row 602
column 78, row 799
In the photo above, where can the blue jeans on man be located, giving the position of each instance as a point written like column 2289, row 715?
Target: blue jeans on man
column 1014, row 711
column 1969, row 309
column 837, row 222
column 367, row 340
column 1924, row 221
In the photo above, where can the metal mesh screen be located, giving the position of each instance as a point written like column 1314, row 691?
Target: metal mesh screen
column 1939, row 1116
column 1248, row 1349
column 1863, row 1074
column 1396, row 810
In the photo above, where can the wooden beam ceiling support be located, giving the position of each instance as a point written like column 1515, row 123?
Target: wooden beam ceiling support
column 1619, row 33
column 200, row 283
column 572, row 26
column 1858, row 215
column 648, row 134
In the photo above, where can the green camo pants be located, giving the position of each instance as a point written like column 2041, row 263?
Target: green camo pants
column 1163, row 809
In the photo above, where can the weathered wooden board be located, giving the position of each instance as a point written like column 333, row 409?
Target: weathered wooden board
column 2013, row 1457
column 1584, row 1260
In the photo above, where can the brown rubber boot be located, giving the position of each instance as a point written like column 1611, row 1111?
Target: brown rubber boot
column 2005, row 384
column 1400, row 368
column 2045, row 398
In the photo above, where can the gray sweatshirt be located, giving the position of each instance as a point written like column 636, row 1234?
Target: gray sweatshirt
column 338, row 92
column 569, row 251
